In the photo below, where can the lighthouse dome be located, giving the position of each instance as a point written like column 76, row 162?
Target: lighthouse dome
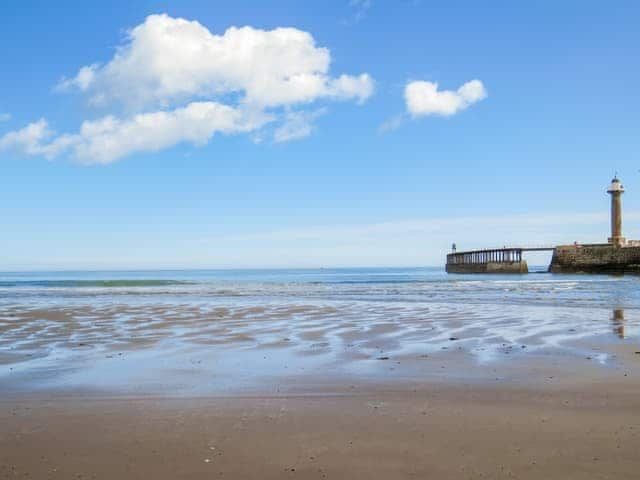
column 615, row 186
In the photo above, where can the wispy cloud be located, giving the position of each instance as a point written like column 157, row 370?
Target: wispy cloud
column 5, row 117
column 359, row 10
column 391, row 124
column 297, row 125
column 422, row 241
column 493, row 224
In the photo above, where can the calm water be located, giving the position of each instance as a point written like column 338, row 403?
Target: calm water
column 368, row 284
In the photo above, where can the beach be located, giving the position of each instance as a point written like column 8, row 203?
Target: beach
column 349, row 240
column 374, row 432
column 340, row 374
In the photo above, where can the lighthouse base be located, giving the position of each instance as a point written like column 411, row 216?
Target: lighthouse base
column 596, row 258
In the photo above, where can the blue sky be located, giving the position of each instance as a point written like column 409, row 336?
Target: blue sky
column 523, row 159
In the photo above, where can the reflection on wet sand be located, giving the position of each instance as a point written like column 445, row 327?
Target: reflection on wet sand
column 618, row 322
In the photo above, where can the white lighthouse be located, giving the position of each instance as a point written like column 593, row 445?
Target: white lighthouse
column 616, row 189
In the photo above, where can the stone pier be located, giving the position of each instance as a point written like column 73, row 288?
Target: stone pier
column 619, row 255
column 596, row 258
column 504, row 260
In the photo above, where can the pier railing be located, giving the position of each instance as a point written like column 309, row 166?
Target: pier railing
column 493, row 255
column 502, row 255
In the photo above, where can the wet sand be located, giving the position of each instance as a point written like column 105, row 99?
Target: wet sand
column 316, row 391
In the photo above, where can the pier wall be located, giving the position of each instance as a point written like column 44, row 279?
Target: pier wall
column 489, row 267
column 501, row 260
column 599, row 258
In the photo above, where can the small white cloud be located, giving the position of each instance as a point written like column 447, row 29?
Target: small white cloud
column 5, row 117
column 424, row 98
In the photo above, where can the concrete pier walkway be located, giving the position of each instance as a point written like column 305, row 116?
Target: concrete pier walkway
column 499, row 260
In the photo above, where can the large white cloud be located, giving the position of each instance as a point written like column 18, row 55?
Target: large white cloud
column 174, row 81
column 424, row 98
column 110, row 138
column 168, row 59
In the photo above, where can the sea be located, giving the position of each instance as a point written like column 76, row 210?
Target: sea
column 378, row 285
